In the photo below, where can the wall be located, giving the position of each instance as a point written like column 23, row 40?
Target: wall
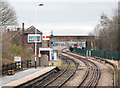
column 31, row 46
column 71, row 38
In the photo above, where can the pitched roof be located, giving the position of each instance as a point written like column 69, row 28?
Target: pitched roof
column 13, row 34
column 31, row 30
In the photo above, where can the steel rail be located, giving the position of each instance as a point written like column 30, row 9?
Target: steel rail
column 64, row 81
column 95, row 74
column 59, row 74
column 76, row 66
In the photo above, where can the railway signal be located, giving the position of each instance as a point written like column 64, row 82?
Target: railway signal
column 51, row 45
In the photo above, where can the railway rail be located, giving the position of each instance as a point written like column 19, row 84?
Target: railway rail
column 62, row 78
column 55, row 78
column 92, row 74
column 59, row 77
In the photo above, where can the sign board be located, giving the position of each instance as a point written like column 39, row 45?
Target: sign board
column 17, row 59
column 34, row 38
column 45, row 37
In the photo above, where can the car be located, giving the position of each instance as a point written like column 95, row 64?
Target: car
column 10, row 72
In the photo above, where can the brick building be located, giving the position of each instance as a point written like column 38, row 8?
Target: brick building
column 20, row 37
column 25, row 39
column 15, row 36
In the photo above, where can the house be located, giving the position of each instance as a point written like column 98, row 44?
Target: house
column 15, row 36
column 28, row 38
column 23, row 37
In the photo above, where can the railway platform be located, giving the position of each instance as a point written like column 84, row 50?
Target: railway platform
column 24, row 76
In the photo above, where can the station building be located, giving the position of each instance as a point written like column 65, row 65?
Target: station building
column 43, row 49
column 26, row 37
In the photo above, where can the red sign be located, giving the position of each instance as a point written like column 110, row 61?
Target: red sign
column 46, row 37
column 43, row 36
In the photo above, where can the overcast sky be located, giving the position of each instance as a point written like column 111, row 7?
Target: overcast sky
column 63, row 17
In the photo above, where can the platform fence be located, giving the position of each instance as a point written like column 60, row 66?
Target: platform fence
column 111, row 55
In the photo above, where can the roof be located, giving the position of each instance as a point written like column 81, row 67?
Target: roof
column 31, row 30
column 13, row 34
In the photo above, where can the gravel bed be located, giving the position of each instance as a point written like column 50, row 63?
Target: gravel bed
column 41, row 83
column 106, row 78
column 65, row 75
column 78, row 76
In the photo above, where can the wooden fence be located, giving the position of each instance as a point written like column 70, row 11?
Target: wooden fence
column 16, row 66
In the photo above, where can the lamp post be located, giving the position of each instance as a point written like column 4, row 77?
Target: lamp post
column 36, row 37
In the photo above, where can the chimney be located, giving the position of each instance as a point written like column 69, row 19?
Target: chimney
column 18, row 29
column 22, row 27
column 8, row 30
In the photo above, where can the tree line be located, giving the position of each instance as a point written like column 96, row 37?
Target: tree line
column 106, row 32
column 10, row 50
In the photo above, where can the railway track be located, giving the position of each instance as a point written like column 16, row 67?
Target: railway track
column 92, row 74
column 62, row 78
column 59, row 78
column 55, row 78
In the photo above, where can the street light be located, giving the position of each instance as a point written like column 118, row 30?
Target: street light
column 40, row 4
column 36, row 36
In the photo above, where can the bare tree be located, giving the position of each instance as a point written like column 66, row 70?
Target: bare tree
column 107, row 32
column 7, row 14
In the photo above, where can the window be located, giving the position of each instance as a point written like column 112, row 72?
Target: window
column 34, row 38
column 31, row 39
